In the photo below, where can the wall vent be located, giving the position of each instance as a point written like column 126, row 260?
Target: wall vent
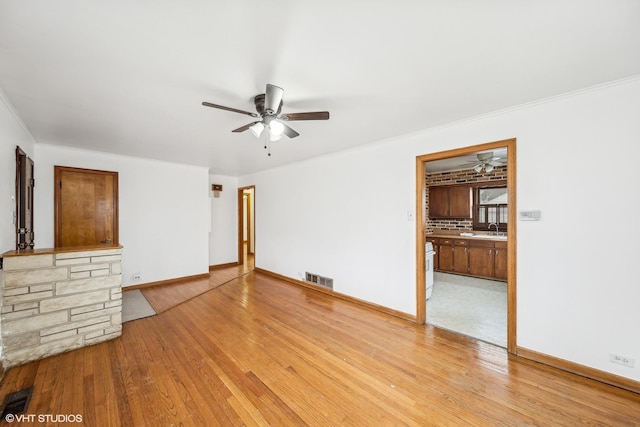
column 316, row 279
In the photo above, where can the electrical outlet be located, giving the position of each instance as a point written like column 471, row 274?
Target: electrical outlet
column 137, row 276
column 621, row 360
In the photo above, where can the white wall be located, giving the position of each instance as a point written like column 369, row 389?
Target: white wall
column 12, row 133
column 223, row 238
column 345, row 216
column 163, row 211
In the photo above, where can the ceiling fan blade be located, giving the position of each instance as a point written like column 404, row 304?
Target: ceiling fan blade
column 235, row 110
column 316, row 115
column 245, row 127
column 289, row 132
column 273, row 98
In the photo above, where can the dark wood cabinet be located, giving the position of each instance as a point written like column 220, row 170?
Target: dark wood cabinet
column 474, row 257
column 460, row 201
column 445, row 255
column 460, row 256
column 450, row 201
column 453, row 256
column 481, row 258
column 438, row 202
column 500, row 264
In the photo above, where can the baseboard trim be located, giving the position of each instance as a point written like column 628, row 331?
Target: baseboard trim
column 348, row 298
column 221, row 266
column 167, row 282
column 575, row 368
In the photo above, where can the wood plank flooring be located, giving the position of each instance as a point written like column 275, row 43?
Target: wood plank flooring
column 258, row 351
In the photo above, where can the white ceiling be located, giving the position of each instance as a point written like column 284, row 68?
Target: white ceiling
column 129, row 77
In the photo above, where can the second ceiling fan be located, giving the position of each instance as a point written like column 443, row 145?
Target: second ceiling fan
column 269, row 110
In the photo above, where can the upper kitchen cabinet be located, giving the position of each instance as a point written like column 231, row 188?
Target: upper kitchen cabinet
column 450, row 201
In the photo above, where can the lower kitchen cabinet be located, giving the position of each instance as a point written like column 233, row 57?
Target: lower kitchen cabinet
column 500, row 264
column 445, row 255
column 479, row 258
column 460, row 256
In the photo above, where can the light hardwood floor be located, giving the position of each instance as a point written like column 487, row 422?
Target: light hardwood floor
column 259, row 351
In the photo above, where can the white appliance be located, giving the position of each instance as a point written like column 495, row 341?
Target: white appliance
column 429, row 253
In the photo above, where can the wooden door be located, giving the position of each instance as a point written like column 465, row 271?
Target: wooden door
column 24, row 200
column 86, row 207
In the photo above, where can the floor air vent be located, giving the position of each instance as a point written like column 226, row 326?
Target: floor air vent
column 17, row 402
column 316, row 279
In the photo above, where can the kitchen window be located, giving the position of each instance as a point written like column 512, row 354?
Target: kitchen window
column 490, row 207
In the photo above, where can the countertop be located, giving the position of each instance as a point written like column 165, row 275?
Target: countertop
column 476, row 236
column 27, row 252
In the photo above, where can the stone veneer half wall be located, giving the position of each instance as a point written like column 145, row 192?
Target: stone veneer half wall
column 58, row 301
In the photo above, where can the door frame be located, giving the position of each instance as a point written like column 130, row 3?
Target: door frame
column 421, row 191
column 57, row 207
column 241, row 222
column 24, row 218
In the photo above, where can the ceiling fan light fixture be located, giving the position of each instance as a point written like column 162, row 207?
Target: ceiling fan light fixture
column 276, row 128
column 488, row 168
column 257, row 129
column 268, row 108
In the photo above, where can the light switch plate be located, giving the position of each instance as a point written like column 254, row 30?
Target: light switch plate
column 530, row 215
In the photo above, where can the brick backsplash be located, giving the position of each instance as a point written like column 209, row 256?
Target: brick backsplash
column 458, row 177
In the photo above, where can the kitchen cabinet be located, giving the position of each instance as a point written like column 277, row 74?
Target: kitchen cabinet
column 481, row 258
column 445, row 255
column 474, row 257
column 453, row 255
column 500, row 264
column 460, row 256
column 450, row 201
column 438, row 202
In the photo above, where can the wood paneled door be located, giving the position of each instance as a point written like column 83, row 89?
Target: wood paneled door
column 24, row 200
column 86, row 207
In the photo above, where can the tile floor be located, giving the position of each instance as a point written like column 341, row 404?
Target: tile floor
column 469, row 306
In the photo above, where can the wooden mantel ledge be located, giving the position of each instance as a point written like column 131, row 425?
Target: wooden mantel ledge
column 27, row 252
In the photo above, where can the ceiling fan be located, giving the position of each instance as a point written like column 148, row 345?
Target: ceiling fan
column 486, row 162
column 269, row 110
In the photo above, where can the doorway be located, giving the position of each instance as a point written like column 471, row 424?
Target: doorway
column 24, row 201
column 421, row 189
column 246, row 227
column 85, row 207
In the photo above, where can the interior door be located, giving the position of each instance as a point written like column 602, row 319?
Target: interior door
column 86, row 207
column 24, row 200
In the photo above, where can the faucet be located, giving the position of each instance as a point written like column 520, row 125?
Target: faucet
column 493, row 223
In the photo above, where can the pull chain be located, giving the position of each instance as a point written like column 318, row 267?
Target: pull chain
column 267, row 145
